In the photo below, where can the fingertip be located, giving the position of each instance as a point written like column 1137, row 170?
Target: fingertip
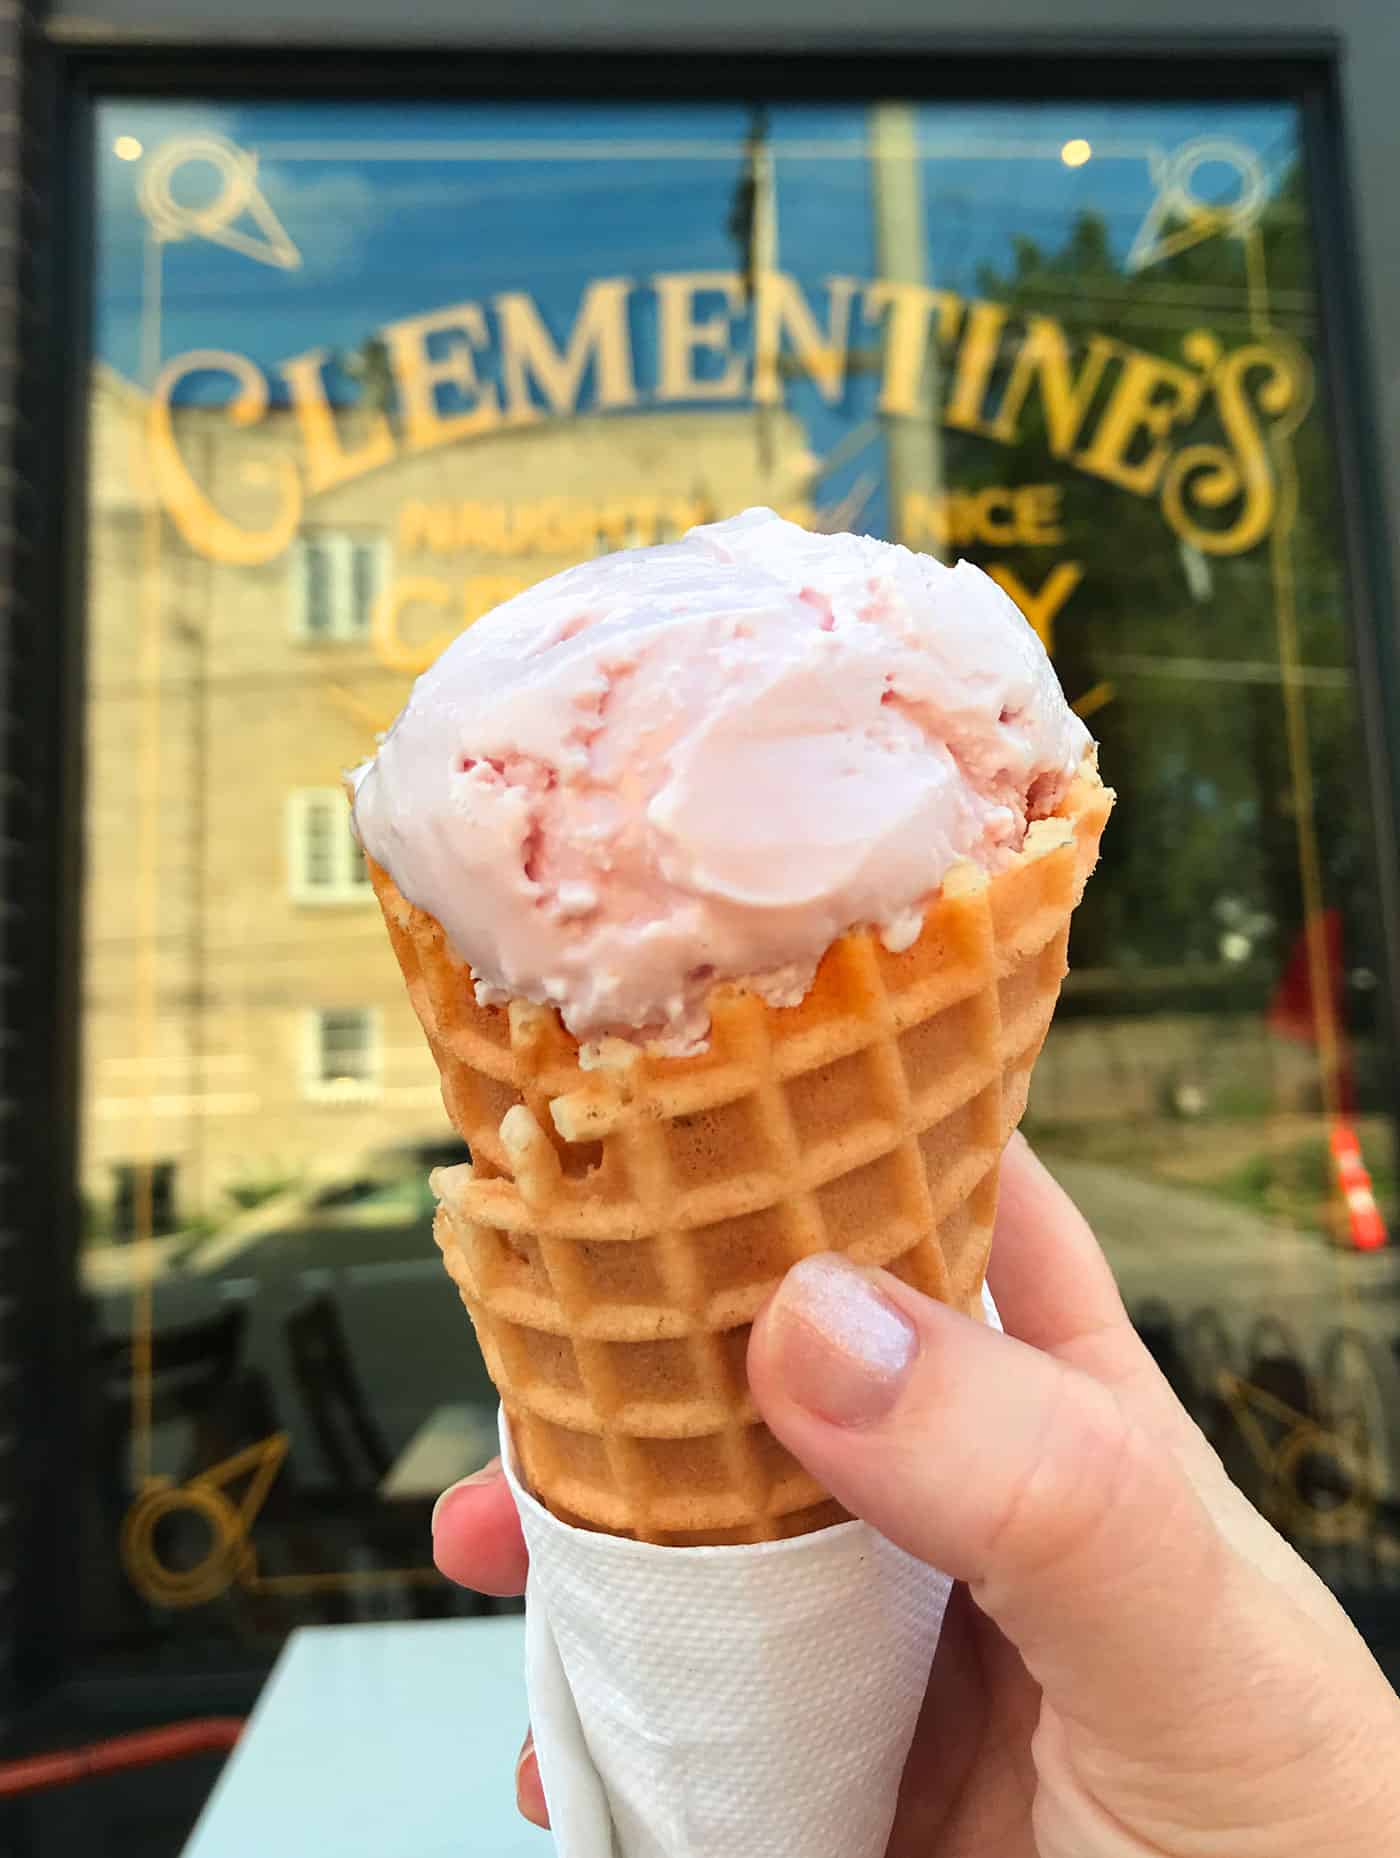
column 489, row 1474
column 477, row 1540
column 529, row 1789
column 839, row 1344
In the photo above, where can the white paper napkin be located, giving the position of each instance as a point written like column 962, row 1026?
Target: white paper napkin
column 752, row 1702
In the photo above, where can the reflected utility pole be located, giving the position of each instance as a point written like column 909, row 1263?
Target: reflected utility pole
column 753, row 224
column 913, row 446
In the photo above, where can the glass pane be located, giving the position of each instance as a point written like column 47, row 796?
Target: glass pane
column 345, row 1043
column 435, row 353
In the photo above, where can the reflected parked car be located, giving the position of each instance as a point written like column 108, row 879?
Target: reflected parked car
column 360, row 1242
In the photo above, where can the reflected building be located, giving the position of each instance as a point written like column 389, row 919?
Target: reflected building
column 245, row 1026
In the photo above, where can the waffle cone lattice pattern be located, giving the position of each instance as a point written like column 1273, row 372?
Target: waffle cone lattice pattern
column 620, row 1225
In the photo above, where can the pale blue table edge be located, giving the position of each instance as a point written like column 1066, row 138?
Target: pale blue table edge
column 380, row 1741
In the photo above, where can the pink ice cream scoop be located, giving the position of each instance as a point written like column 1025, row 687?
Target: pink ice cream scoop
column 705, row 761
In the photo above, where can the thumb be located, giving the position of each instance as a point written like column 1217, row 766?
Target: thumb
column 1076, row 1530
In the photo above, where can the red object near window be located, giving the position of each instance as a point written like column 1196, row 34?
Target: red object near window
column 1294, row 1010
column 142, row 1749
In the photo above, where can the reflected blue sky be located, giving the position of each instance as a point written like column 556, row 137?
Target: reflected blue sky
column 397, row 209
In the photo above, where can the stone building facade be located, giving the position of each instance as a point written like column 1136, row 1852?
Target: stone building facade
column 244, row 1021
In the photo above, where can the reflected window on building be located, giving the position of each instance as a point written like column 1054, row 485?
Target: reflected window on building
column 325, row 862
column 338, row 579
column 344, row 1062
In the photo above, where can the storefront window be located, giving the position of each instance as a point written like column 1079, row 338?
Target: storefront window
column 361, row 372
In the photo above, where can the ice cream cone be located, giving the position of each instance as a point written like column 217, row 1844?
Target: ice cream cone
column 625, row 1214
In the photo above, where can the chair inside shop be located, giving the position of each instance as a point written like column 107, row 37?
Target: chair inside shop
column 193, row 1367
column 205, row 1404
column 358, row 1528
column 348, row 1436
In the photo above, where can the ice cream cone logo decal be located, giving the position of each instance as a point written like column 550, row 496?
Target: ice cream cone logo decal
column 1303, row 1460
column 1181, row 217
column 225, row 1499
column 212, row 1516
column 238, row 216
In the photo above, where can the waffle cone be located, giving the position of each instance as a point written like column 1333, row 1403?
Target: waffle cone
column 622, row 1222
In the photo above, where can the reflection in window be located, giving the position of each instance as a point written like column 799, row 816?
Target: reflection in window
column 1018, row 337
column 143, row 1199
column 343, row 1052
column 325, row 864
column 338, row 578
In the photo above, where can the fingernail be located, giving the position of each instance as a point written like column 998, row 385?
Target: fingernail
column 844, row 1349
column 486, row 1475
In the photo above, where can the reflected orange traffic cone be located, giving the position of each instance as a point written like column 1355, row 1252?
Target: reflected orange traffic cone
column 1365, row 1229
